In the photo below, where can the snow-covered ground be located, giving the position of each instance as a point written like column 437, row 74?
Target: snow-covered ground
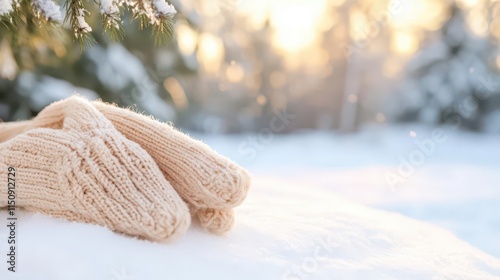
column 456, row 184
column 305, row 219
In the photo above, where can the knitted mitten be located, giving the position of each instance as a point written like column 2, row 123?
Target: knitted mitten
column 210, row 183
column 83, row 169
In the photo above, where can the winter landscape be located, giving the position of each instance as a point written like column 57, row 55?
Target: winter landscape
column 371, row 130
column 319, row 208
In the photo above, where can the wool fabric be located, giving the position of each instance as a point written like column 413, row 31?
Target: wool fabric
column 211, row 185
column 71, row 162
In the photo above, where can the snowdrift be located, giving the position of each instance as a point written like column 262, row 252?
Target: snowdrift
column 283, row 231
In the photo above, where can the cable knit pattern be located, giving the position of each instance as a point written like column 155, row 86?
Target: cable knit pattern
column 210, row 184
column 208, row 181
column 215, row 220
column 81, row 168
column 201, row 176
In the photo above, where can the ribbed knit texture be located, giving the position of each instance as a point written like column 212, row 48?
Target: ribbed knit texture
column 215, row 220
column 80, row 167
column 210, row 183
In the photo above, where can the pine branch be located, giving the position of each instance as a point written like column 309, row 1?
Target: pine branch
column 10, row 16
column 139, row 8
column 29, row 14
column 111, row 20
column 76, row 13
column 156, row 13
column 164, row 30
column 46, row 11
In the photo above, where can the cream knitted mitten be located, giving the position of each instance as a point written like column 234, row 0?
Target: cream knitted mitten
column 81, row 168
column 210, row 183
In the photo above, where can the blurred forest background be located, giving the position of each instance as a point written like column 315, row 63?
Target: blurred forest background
column 234, row 65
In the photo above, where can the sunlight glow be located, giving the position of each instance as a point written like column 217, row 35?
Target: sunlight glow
column 359, row 25
column 495, row 27
column 477, row 22
column 404, row 42
column 296, row 23
column 261, row 100
column 176, row 91
column 392, row 67
column 234, row 72
column 277, row 79
column 298, row 26
column 467, row 3
column 187, row 39
column 211, row 52
column 256, row 13
column 414, row 14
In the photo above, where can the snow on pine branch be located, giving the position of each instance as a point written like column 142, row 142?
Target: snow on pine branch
column 47, row 9
column 155, row 13
column 163, row 8
column 83, row 26
column 153, row 10
column 111, row 20
column 5, row 7
column 109, row 7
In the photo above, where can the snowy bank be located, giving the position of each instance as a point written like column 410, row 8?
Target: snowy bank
column 283, row 231
column 456, row 186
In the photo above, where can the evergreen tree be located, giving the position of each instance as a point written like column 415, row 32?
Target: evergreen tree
column 39, row 63
column 452, row 81
column 21, row 15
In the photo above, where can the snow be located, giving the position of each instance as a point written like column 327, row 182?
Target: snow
column 304, row 217
column 279, row 235
column 155, row 10
column 5, row 7
column 109, row 7
column 164, row 8
column 48, row 9
column 82, row 24
column 8, row 65
column 456, row 187
column 48, row 90
column 119, row 71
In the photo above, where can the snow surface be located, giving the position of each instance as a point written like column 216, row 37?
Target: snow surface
column 164, row 8
column 280, row 234
column 108, row 7
column 82, row 24
column 49, row 9
column 5, row 7
column 457, row 187
column 297, row 222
